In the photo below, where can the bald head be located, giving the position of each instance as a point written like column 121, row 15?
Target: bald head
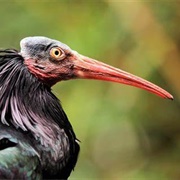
column 39, row 46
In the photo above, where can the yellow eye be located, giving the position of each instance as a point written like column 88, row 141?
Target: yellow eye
column 57, row 53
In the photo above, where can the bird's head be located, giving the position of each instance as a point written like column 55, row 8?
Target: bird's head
column 52, row 61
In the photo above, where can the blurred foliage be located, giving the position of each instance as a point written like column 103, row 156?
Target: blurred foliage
column 125, row 133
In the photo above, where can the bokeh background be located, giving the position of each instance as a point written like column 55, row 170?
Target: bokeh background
column 125, row 133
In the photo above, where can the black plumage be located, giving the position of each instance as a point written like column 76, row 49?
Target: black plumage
column 33, row 120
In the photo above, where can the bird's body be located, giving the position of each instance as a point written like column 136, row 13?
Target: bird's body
column 36, row 139
column 34, row 121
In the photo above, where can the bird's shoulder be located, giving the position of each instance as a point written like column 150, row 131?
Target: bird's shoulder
column 18, row 161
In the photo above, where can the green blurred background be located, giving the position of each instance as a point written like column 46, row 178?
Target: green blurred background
column 125, row 133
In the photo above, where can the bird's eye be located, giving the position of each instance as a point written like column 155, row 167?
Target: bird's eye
column 57, row 53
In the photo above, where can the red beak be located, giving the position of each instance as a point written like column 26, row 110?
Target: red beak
column 87, row 68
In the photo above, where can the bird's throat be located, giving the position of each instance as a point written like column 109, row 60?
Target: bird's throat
column 40, row 72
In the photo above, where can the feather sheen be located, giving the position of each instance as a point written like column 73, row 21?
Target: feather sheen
column 29, row 106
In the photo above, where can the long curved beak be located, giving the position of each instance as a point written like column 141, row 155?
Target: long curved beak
column 88, row 68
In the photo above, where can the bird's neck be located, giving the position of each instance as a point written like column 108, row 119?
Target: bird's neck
column 29, row 105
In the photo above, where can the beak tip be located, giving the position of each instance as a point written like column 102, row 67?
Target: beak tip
column 171, row 98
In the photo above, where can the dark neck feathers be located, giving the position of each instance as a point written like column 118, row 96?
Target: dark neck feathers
column 28, row 104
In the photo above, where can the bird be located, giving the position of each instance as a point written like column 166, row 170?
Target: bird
column 37, row 140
